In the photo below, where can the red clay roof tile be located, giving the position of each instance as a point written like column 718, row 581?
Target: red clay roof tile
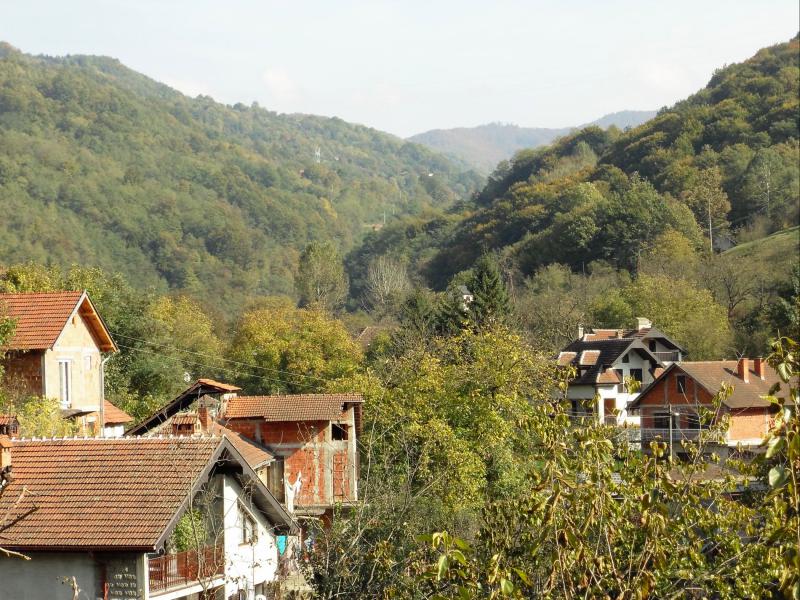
column 113, row 415
column 99, row 493
column 41, row 317
column 295, row 407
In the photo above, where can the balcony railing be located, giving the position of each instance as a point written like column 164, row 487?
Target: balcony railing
column 690, row 435
column 183, row 569
column 669, row 356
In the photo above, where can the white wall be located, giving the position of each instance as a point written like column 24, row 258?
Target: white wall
column 246, row 565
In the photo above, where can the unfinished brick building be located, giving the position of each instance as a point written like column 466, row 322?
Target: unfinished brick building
column 670, row 407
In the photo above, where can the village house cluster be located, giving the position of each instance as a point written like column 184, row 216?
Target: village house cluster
column 109, row 513
column 211, row 495
column 639, row 379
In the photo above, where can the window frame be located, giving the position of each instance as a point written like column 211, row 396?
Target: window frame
column 65, row 382
column 680, row 383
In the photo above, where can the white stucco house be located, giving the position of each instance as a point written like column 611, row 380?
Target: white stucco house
column 97, row 518
column 606, row 360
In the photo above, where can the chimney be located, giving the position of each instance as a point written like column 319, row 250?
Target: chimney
column 205, row 418
column 642, row 323
column 5, row 461
column 743, row 369
column 759, row 366
column 580, row 332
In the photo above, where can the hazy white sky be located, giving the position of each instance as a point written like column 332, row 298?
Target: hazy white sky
column 406, row 66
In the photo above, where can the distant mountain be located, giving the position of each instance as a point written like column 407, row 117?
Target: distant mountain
column 100, row 165
column 605, row 195
column 484, row 146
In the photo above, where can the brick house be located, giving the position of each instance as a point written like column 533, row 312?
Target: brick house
column 314, row 440
column 103, row 511
column 303, row 446
column 605, row 359
column 670, row 407
column 57, row 351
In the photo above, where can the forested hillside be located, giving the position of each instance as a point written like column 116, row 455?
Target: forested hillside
column 575, row 221
column 102, row 166
column 486, row 145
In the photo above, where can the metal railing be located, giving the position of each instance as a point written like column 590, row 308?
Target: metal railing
column 182, row 569
column 649, row 434
column 669, row 356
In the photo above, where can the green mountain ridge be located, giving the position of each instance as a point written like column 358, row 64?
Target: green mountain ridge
column 484, row 146
column 101, row 165
column 605, row 195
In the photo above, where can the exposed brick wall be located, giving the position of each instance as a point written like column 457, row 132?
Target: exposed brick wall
column 745, row 424
column 748, row 424
column 23, row 372
column 307, row 448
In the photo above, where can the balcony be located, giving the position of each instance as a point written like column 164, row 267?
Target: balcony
column 649, row 434
column 668, row 357
column 185, row 569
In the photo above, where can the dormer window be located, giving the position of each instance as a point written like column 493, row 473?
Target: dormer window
column 626, row 358
column 652, row 345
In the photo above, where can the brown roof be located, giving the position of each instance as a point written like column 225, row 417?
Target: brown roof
column 608, row 376
column 8, row 419
column 100, row 493
column 41, row 317
column 113, row 415
column 184, row 400
column 254, row 453
column 184, row 419
column 712, row 374
column 565, row 358
column 223, row 387
column 297, row 407
column 589, row 357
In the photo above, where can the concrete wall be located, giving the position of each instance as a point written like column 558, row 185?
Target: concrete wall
column 76, row 344
column 246, row 564
column 43, row 577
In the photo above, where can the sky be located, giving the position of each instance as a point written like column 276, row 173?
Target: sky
column 407, row 66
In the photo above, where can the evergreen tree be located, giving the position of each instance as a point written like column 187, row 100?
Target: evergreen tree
column 490, row 297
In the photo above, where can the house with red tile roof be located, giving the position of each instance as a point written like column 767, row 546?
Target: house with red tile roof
column 606, row 360
column 671, row 407
column 304, row 446
column 104, row 512
column 57, row 351
column 314, row 440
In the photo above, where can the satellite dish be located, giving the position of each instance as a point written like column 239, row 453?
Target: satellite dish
column 187, row 377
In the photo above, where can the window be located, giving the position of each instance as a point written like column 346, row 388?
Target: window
column 338, row 432
column 652, row 345
column 661, row 421
column 621, row 385
column 248, row 527
column 680, row 381
column 626, row 358
column 636, row 374
column 65, row 382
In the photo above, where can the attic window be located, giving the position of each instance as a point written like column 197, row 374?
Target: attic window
column 652, row 345
column 680, row 382
column 338, row 432
column 626, row 359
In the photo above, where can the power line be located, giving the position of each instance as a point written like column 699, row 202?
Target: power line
column 197, row 363
column 219, row 358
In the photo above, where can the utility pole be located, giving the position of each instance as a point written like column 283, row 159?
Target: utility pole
column 710, row 231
